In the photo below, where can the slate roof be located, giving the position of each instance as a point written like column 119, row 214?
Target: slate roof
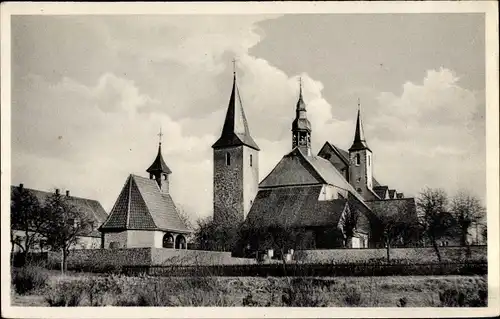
column 142, row 206
column 159, row 164
column 235, row 131
column 92, row 208
column 297, row 169
column 294, row 207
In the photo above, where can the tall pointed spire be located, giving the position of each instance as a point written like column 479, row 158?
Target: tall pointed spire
column 235, row 131
column 359, row 142
column 301, row 127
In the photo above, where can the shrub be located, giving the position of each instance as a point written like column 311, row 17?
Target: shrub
column 352, row 296
column 65, row 293
column 28, row 279
column 463, row 297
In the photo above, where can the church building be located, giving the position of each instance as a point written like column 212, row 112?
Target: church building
column 329, row 196
column 144, row 214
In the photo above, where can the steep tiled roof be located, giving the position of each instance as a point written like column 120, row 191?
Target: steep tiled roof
column 235, row 131
column 92, row 208
column 294, row 207
column 141, row 205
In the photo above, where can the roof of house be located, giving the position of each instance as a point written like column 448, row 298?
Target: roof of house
column 142, row 206
column 92, row 208
column 235, row 131
column 294, row 207
column 392, row 193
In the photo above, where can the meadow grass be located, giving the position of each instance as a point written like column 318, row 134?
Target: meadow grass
column 87, row 289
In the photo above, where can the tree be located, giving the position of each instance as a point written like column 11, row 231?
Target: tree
column 25, row 216
column 484, row 233
column 434, row 217
column 217, row 236
column 65, row 224
column 348, row 223
column 467, row 210
column 395, row 223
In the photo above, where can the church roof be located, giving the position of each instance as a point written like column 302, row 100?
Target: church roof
column 142, row 206
column 294, row 207
column 301, row 122
column 92, row 208
column 298, row 169
column 359, row 142
column 235, row 131
column 159, row 164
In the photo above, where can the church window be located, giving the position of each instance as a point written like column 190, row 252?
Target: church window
column 358, row 159
column 368, row 159
column 251, row 160
column 358, row 179
column 228, row 159
column 359, row 190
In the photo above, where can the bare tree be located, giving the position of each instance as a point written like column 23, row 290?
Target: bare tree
column 434, row 217
column 65, row 225
column 395, row 223
column 467, row 210
column 348, row 223
column 25, row 216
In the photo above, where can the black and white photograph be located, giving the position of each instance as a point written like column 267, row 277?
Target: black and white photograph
column 287, row 158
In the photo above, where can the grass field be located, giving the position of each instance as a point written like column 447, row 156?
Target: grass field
column 84, row 289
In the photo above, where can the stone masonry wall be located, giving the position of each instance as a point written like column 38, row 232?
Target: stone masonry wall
column 228, row 184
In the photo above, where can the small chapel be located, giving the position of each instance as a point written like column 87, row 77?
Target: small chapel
column 317, row 194
column 144, row 214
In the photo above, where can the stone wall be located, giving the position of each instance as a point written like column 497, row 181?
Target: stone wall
column 419, row 255
column 194, row 257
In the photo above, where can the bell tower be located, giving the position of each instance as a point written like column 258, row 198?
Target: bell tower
column 159, row 171
column 360, row 161
column 301, row 127
column 236, row 164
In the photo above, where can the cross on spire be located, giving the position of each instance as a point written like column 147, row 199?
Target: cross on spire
column 359, row 103
column 234, row 66
column 300, row 85
column 160, row 135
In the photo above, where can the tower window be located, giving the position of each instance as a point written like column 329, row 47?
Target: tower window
column 358, row 159
column 228, row 159
column 369, row 159
column 251, row 160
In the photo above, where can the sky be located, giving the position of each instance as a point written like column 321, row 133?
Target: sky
column 90, row 93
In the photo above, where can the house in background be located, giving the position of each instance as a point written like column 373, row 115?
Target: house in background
column 92, row 208
column 144, row 214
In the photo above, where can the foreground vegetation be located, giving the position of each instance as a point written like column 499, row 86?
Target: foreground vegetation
column 34, row 286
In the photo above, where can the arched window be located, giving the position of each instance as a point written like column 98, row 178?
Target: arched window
column 358, row 159
column 369, row 159
column 251, row 160
column 228, row 159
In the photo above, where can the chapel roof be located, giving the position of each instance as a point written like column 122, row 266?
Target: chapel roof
column 142, row 206
column 92, row 208
column 235, row 131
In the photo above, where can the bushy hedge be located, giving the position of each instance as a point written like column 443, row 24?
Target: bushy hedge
column 280, row 270
column 27, row 279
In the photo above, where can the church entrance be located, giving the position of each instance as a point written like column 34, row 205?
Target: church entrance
column 180, row 242
column 168, row 241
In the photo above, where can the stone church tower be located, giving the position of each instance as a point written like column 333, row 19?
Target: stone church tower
column 236, row 165
column 361, row 162
column 301, row 127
